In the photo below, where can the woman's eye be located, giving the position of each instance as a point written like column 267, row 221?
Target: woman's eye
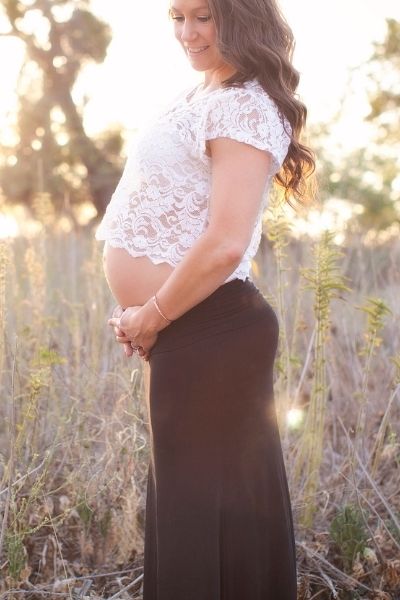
column 180, row 19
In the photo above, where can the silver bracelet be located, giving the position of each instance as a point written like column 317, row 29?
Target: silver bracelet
column 154, row 299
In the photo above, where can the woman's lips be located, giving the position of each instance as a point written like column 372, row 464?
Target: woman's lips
column 197, row 51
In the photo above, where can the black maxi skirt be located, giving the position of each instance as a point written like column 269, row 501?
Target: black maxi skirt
column 218, row 514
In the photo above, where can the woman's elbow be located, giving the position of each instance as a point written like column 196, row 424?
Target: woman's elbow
column 225, row 250
column 230, row 254
column 235, row 254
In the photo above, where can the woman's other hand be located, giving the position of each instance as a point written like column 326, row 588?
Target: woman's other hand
column 120, row 335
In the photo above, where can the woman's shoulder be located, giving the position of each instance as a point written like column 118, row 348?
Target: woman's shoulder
column 247, row 113
column 251, row 98
column 251, row 92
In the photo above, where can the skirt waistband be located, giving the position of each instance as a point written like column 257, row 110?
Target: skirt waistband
column 232, row 295
column 233, row 305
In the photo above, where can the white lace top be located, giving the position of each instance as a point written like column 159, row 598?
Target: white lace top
column 160, row 206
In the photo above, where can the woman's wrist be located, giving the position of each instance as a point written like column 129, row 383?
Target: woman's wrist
column 160, row 312
column 154, row 318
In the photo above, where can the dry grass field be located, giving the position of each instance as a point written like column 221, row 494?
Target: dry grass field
column 74, row 434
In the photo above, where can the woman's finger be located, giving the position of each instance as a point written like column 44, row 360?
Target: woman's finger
column 117, row 312
column 122, row 339
column 144, row 354
column 128, row 349
column 114, row 321
column 119, row 332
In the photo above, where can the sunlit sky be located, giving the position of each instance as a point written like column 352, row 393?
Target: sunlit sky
column 145, row 66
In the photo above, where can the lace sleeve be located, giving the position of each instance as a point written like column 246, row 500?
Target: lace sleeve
column 248, row 116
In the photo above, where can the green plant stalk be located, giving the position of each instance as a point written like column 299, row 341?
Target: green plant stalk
column 18, row 526
column 349, row 533
column 380, row 437
column 35, row 264
column 325, row 281
column 376, row 310
column 317, row 412
column 11, row 462
column 278, row 235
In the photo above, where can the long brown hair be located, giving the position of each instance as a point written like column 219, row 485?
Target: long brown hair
column 254, row 37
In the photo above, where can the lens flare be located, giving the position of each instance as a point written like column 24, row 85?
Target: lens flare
column 8, row 227
column 295, row 418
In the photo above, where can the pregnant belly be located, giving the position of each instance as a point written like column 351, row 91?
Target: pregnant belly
column 132, row 281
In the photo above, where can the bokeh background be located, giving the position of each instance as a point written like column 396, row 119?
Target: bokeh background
column 79, row 78
column 70, row 103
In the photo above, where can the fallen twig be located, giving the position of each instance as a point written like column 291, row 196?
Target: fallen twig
column 126, row 588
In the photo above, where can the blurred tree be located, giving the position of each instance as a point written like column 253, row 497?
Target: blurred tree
column 53, row 152
column 370, row 176
column 385, row 98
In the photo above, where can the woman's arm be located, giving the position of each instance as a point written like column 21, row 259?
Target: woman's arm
column 239, row 175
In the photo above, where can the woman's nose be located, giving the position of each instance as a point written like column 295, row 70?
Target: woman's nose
column 188, row 32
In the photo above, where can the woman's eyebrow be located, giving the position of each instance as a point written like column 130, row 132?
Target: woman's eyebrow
column 204, row 7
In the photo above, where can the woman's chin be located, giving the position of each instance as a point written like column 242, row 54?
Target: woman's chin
column 197, row 67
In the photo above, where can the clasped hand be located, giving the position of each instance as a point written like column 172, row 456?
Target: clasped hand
column 130, row 331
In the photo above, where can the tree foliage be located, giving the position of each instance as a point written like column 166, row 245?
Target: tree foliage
column 53, row 153
column 367, row 176
column 385, row 99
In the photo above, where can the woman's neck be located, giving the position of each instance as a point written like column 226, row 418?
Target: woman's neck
column 213, row 79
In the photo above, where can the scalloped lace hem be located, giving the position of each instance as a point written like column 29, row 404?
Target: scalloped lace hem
column 157, row 260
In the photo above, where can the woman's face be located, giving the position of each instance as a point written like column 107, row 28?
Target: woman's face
column 195, row 31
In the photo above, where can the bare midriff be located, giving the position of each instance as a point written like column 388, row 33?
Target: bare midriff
column 132, row 280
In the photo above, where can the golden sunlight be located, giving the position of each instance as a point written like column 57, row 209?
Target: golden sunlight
column 295, row 418
column 8, row 227
column 334, row 216
column 15, row 221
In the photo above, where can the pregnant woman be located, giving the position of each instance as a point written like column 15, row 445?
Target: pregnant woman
column 181, row 230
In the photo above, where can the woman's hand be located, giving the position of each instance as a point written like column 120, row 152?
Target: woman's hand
column 134, row 327
column 117, row 314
